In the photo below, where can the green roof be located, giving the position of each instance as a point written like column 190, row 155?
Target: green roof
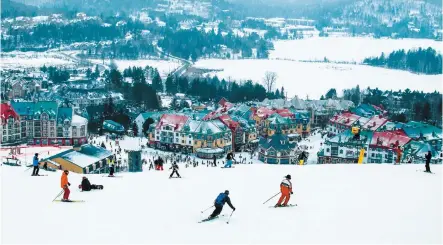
column 35, row 109
column 63, row 114
column 277, row 141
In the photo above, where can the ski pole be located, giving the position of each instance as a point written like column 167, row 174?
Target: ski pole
column 271, row 197
column 230, row 217
column 207, row 209
column 58, row 194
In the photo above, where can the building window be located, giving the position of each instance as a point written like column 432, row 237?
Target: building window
column 74, row 131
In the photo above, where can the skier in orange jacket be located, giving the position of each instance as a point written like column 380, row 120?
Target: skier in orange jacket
column 286, row 191
column 64, row 185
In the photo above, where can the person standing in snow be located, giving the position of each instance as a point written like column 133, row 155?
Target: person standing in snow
column 35, row 164
column 64, row 184
column 219, row 202
column 229, row 158
column 215, row 161
column 160, row 163
column 428, row 161
column 174, row 170
column 286, row 191
column 111, row 167
column 399, row 154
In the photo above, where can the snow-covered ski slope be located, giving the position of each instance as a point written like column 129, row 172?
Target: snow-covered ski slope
column 336, row 204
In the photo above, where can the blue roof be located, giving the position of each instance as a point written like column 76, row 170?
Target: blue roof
column 113, row 126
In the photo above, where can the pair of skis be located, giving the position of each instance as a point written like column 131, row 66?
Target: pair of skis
column 70, row 201
column 286, row 206
column 216, row 217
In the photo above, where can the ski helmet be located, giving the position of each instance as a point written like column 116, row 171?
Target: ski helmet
column 288, row 176
column 227, row 192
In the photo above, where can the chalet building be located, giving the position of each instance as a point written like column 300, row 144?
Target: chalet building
column 344, row 148
column 383, row 146
column 286, row 125
column 205, row 135
column 10, row 125
column 142, row 117
column 45, row 123
column 166, row 133
column 344, row 121
column 276, row 149
column 261, row 114
column 424, row 132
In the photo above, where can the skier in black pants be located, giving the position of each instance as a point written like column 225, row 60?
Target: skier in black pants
column 35, row 164
column 174, row 170
column 220, row 201
column 428, row 160
column 215, row 161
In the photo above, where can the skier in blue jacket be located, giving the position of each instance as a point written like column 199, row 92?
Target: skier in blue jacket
column 35, row 164
column 219, row 202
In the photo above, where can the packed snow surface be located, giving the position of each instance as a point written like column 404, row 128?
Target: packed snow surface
column 336, row 204
column 315, row 79
column 351, row 49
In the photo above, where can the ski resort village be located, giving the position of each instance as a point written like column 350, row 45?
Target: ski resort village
column 221, row 122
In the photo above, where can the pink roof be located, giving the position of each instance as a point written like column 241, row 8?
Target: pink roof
column 176, row 121
column 264, row 112
column 227, row 120
column 389, row 139
column 345, row 118
column 375, row 122
column 6, row 112
column 224, row 107
column 284, row 112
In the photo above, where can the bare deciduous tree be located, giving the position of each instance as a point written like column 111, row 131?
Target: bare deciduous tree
column 269, row 80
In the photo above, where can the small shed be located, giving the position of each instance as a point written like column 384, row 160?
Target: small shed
column 85, row 159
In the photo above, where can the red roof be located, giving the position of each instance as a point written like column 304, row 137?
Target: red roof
column 345, row 118
column 226, row 104
column 227, row 120
column 176, row 121
column 264, row 112
column 7, row 111
column 389, row 139
column 285, row 113
column 375, row 122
